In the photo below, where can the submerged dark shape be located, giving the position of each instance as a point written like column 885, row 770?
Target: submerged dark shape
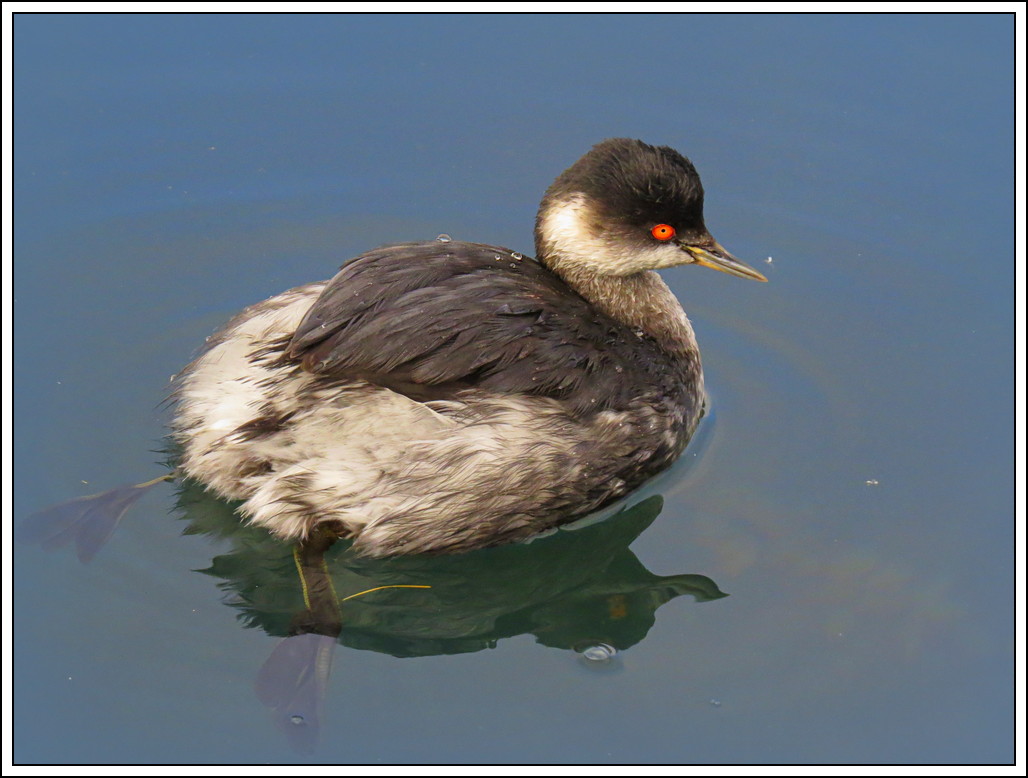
column 445, row 396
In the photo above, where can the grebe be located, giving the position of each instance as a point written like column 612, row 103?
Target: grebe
column 444, row 396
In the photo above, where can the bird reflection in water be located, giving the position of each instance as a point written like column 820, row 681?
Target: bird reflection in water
column 580, row 589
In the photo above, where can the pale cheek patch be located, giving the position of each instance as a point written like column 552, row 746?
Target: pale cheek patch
column 567, row 230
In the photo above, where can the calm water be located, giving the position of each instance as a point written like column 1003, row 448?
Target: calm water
column 852, row 490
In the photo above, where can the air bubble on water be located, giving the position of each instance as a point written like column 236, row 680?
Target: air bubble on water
column 600, row 652
column 443, row 238
column 715, row 703
column 297, row 719
column 871, row 482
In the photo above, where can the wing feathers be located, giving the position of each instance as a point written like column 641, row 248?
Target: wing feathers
column 437, row 314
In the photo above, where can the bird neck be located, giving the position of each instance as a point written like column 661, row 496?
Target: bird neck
column 641, row 301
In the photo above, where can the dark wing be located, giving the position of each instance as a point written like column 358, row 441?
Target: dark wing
column 429, row 318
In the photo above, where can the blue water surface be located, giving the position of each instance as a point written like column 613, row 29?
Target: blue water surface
column 852, row 490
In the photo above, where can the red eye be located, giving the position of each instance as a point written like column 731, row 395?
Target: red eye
column 663, row 232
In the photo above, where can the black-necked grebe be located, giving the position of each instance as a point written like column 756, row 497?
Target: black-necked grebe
column 444, row 396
